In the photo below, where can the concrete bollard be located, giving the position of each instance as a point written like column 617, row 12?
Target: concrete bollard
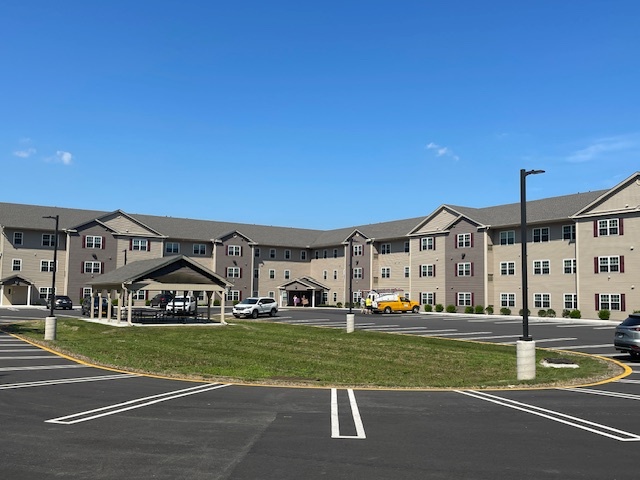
column 526, row 359
column 50, row 328
column 351, row 322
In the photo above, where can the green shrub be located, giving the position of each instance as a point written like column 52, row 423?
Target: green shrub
column 575, row 314
column 339, row 304
column 566, row 313
column 468, row 309
column 216, row 303
column 428, row 308
column 551, row 313
column 542, row 313
column 489, row 310
column 604, row 314
column 147, row 302
column 521, row 312
column 479, row 309
column 451, row 309
column 114, row 302
column 439, row 307
column 505, row 311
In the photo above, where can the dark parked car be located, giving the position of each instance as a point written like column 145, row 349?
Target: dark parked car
column 161, row 300
column 627, row 336
column 86, row 306
column 61, row 301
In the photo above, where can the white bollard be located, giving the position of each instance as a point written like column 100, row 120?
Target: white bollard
column 50, row 328
column 351, row 322
column 526, row 359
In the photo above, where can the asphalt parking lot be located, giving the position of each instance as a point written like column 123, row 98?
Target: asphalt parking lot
column 63, row 419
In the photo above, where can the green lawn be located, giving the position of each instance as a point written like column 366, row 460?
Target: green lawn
column 263, row 352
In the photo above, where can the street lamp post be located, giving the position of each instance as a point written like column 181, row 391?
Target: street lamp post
column 350, row 315
column 526, row 347
column 50, row 321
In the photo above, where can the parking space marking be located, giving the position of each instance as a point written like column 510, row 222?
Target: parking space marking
column 569, row 420
column 433, row 333
column 605, row 393
column 582, row 346
column 30, row 357
column 20, row 349
column 41, row 367
column 62, row 381
column 624, row 380
column 544, row 340
column 133, row 404
column 335, row 421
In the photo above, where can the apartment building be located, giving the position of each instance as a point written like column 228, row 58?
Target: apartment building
column 581, row 254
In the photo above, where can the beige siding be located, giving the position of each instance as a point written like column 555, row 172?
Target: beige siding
column 439, row 222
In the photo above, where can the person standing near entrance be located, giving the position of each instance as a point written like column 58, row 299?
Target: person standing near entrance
column 367, row 304
column 296, row 300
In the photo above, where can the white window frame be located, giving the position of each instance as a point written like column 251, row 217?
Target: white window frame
column 93, row 241
column 92, row 267
column 541, row 267
column 610, row 301
column 541, row 234
column 385, row 272
column 287, row 274
column 303, row 254
column 335, row 274
column 407, row 272
column 272, row 273
column 610, row 264
column 233, row 295
column 507, row 300
column 569, row 266
column 287, row 254
column 542, row 300
column 508, row 237
column 18, row 238
column 139, row 294
column 570, row 301
column 427, row 270
column 272, row 253
column 234, row 250
column 464, row 269
column 200, row 249
column 357, row 273
column 233, row 272
column 507, row 268
column 463, row 240
column 427, row 243
column 16, row 262
column 385, row 248
column 464, row 299
column 608, row 227
column 140, row 245
column 48, row 239
column 427, row 298
column 172, row 247
column 357, row 250
column 46, row 265
column 569, row 232
column 324, row 274
column 45, row 293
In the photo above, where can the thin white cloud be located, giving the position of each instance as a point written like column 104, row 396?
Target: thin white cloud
column 442, row 151
column 607, row 146
column 26, row 153
column 64, row 157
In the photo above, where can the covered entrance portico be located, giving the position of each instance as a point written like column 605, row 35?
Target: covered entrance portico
column 178, row 273
column 303, row 288
column 15, row 290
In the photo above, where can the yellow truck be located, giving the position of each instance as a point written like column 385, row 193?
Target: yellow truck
column 395, row 303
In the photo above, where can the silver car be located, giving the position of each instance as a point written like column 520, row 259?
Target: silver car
column 627, row 336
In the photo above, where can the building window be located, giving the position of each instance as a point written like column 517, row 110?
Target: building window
column 140, row 244
column 357, row 250
column 357, row 273
column 324, row 274
column 541, row 267
column 272, row 274
column 272, row 253
column 541, row 300
column 407, row 246
column 407, row 272
column 335, row 297
column 385, row 248
column 234, row 250
column 287, row 254
column 92, row 267
column 569, row 265
column 508, row 237
column 92, row 241
column 317, row 254
column 385, row 272
column 357, row 295
column 256, row 273
column 541, row 234
column 45, row 293
column 140, row 295
column 463, row 240
column 16, row 265
column 464, row 269
column 609, row 265
column 233, row 272
column 270, row 294
column 303, row 254
column 335, row 274
column 507, row 268
column 428, row 243
column 464, row 299
column 335, row 253
column 86, row 292
column 608, row 227
column 325, row 298
column 48, row 239
column 609, row 301
column 18, row 237
column 46, row 265
column 570, row 301
column 569, row 232
column 172, row 247
column 287, row 274
column 428, row 270
column 256, row 252
column 233, row 295
column 508, row 300
column 427, row 298
column 199, row 249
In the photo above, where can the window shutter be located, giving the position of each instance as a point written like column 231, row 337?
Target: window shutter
column 621, row 263
column 420, row 271
column 597, row 301
column 131, row 244
column 455, row 266
column 240, row 272
column 227, row 248
column 620, row 227
column 434, row 243
column 472, row 269
column 434, row 297
column 456, row 241
column 623, row 302
column 84, row 241
column 472, row 298
column 148, row 245
column 81, row 267
column 595, row 228
column 101, row 267
column 240, row 250
column 103, row 242
column 472, row 240
column 420, row 244
column 434, row 270
column 595, row 265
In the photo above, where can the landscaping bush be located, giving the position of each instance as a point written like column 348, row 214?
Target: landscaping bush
column 339, row 304
column 551, row 313
column 439, row 307
column 489, row 310
column 505, row 311
column 521, row 312
column 468, row 309
column 479, row 309
column 542, row 313
column 216, row 303
column 566, row 313
column 575, row 314
column 428, row 308
column 451, row 309
column 604, row 314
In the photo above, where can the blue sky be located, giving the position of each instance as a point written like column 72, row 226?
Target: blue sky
column 314, row 114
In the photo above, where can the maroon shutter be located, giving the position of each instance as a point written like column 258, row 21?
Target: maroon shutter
column 227, row 249
column 240, row 250
column 472, row 298
column 455, row 265
column 597, row 301
column 595, row 265
column 434, row 270
column 472, row 240
column 595, row 228
column 620, row 227
column 103, row 242
column 101, row 267
column 621, row 263
column 81, row 267
column 240, row 272
column 420, row 245
column 131, row 244
column 434, row 243
column 434, row 298
column 148, row 245
column 456, row 239
column 84, row 241
column 623, row 302
column 472, row 269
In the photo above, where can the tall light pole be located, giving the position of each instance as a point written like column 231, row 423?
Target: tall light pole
column 526, row 347
column 50, row 321
column 350, row 315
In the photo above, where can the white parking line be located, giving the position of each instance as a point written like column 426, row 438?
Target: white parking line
column 582, row 346
column 604, row 393
column 458, row 334
column 62, row 381
column 31, row 357
column 335, row 421
column 545, row 340
column 575, row 422
column 132, row 404
column 40, row 367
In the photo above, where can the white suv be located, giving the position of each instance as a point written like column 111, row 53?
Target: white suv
column 182, row 305
column 254, row 306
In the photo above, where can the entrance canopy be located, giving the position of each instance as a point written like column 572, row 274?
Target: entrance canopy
column 176, row 273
